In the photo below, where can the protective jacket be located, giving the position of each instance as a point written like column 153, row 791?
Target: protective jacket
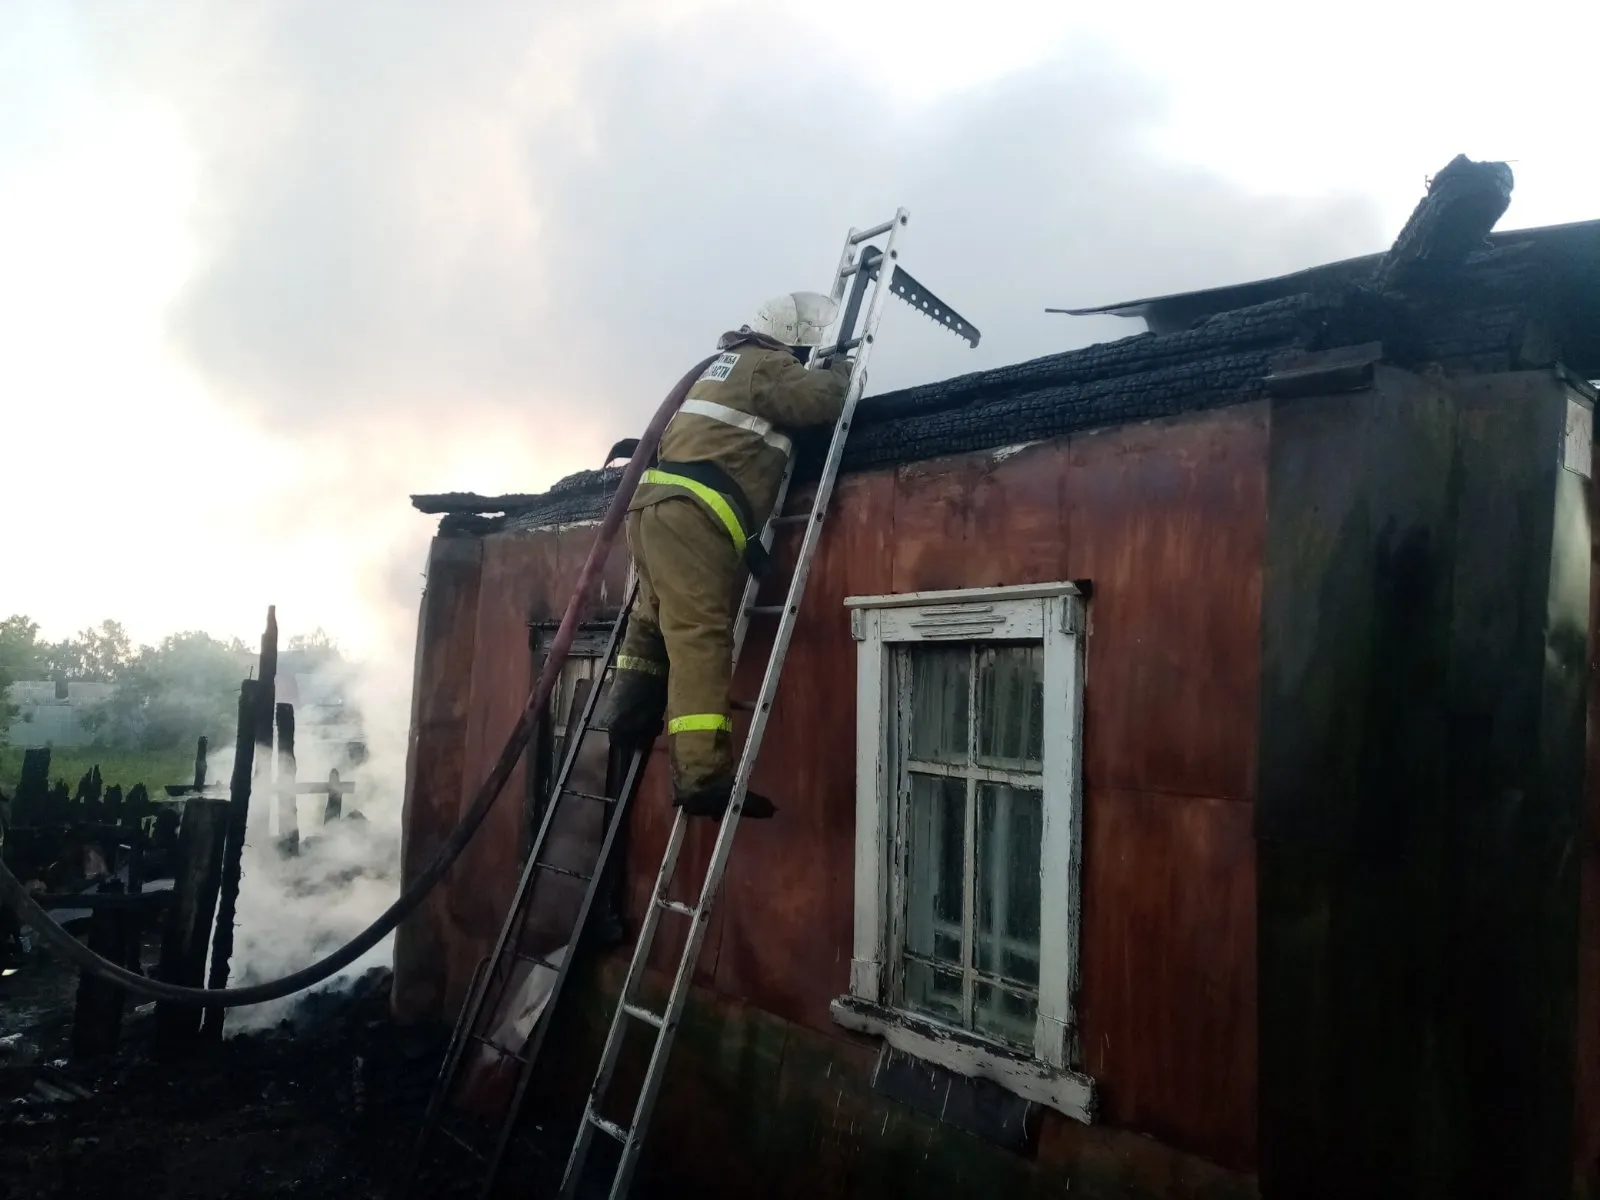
column 725, row 446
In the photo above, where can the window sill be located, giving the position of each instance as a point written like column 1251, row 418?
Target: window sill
column 1067, row 1092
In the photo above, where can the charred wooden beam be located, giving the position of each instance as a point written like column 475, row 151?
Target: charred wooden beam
column 471, row 502
column 202, row 839
column 97, row 1019
column 288, row 814
column 267, row 682
column 250, row 698
column 33, row 789
column 335, row 806
column 1324, row 372
column 1463, row 202
column 142, row 903
column 200, row 749
column 329, row 787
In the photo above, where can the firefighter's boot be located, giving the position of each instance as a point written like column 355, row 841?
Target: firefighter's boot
column 635, row 704
column 710, row 799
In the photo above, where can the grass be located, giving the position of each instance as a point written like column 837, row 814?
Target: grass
column 118, row 768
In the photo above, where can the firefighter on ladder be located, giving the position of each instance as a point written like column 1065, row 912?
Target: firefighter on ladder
column 693, row 528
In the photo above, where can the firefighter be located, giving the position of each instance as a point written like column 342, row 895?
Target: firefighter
column 693, row 529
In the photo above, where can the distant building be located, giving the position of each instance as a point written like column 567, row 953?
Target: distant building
column 51, row 712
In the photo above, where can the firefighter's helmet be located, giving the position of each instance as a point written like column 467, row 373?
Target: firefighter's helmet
column 796, row 318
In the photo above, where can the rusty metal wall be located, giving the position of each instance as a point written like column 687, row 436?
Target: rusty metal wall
column 1586, row 1149
column 441, row 695
column 1167, row 520
column 475, row 666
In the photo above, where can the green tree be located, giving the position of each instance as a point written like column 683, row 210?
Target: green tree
column 311, row 651
column 99, row 654
column 19, row 658
column 171, row 693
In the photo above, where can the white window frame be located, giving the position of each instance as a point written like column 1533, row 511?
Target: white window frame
column 1052, row 614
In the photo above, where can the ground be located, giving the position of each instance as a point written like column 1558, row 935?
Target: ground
column 319, row 1108
column 118, row 768
column 327, row 1104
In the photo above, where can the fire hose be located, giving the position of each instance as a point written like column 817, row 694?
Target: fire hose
column 12, row 892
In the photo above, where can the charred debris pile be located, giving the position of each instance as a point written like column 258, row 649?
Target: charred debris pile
column 1447, row 294
column 325, row 1104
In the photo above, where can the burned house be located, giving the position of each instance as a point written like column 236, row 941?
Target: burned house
column 1181, row 763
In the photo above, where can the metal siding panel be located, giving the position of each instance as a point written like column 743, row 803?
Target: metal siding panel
column 1169, row 981
column 515, row 567
column 1522, row 645
column 983, row 520
column 789, row 895
column 1168, row 522
column 446, row 634
column 1420, row 893
column 1586, row 1148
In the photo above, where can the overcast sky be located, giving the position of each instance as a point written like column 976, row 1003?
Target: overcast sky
column 268, row 267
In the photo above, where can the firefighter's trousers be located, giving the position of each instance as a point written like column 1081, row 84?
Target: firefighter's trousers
column 690, row 580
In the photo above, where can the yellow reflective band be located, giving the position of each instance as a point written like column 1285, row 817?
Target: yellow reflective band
column 700, row 723
column 713, row 500
column 627, row 662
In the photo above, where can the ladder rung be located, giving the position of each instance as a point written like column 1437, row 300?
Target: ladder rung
column 791, row 518
column 505, row 1051
column 677, row 906
column 605, row 1126
column 460, row 1141
column 866, row 235
column 582, row 795
column 544, row 866
column 765, row 610
column 643, row 1014
column 742, row 705
column 537, row 960
column 837, row 348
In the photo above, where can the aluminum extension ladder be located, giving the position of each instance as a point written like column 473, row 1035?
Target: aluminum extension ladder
column 862, row 266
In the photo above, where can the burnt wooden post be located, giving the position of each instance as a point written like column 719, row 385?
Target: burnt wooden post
column 288, row 814
column 232, row 866
column 187, row 934
column 133, row 928
column 87, row 799
column 58, row 805
column 267, row 678
column 136, row 806
column 97, row 1020
column 335, row 803
column 33, row 789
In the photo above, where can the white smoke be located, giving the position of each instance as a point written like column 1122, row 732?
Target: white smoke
column 295, row 909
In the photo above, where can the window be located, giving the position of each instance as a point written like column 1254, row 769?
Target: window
column 969, row 832
column 567, row 700
column 598, row 768
column 548, row 748
column 970, row 815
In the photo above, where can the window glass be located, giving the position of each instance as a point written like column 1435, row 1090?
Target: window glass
column 1011, row 706
column 940, row 690
column 1005, row 1014
column 971, row 826
column 935, row 858
column 567, row 700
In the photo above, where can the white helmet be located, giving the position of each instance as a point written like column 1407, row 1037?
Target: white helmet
column 796, row 319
